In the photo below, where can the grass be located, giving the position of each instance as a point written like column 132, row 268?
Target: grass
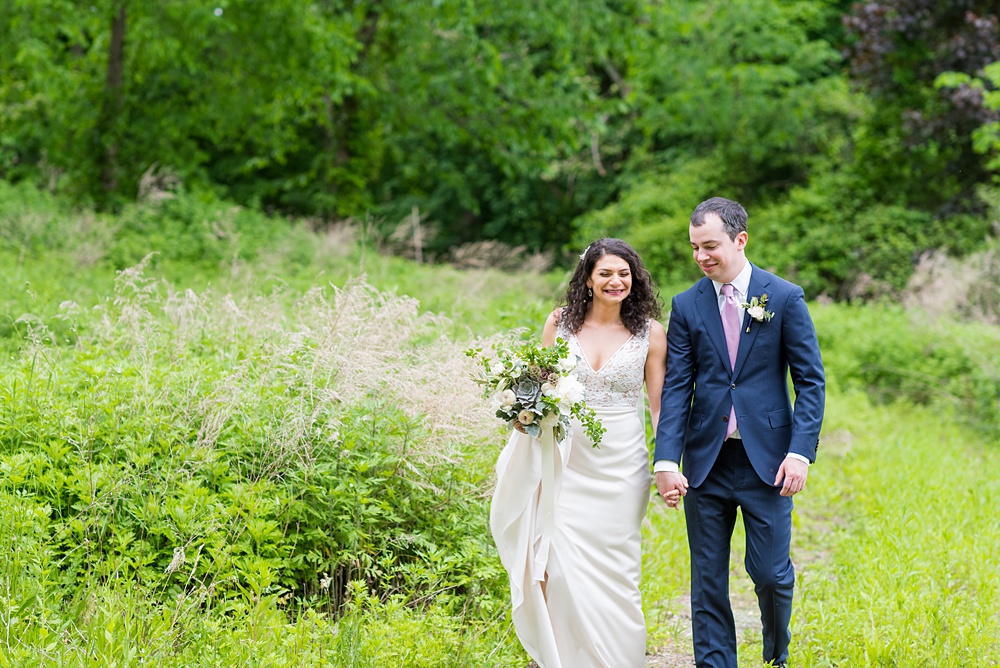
column 896, row 545
column 119, row 628
column 272, row 437
column 896, row 540
column 479, row 301
column 908, row 574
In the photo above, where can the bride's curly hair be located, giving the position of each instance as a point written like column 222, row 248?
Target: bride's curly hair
column 642, row 303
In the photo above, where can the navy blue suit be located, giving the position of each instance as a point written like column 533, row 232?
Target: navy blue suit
column 699, row 389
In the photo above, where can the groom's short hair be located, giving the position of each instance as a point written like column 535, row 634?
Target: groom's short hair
column 733, row 215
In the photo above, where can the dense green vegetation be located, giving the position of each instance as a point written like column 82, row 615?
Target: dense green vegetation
column 241, row 455
column 236, row 424
column 858, row 134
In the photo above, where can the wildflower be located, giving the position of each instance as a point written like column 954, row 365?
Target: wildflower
column 507, row 398
column 177, row 561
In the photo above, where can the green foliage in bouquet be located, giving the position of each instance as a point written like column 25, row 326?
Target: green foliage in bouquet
column 533, row 386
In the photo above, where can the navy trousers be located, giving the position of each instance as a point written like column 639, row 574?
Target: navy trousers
column 710, row 510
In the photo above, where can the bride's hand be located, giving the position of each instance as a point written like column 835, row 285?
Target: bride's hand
column 671, row 485
column 672, row 498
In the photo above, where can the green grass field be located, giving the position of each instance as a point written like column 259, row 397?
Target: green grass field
column 227, row 409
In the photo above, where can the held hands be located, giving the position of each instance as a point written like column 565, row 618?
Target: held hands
column 794, row 473
column 671, row 485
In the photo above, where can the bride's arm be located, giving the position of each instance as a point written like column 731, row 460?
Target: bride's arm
column 549, row 331
column 656, row 368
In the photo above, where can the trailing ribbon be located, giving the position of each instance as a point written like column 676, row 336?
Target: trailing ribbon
column 547, row 502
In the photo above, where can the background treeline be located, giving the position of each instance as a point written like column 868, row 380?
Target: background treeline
column 541, row 125
column 219, row 447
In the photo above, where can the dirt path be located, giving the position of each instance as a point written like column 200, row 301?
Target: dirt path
column 677, row 653
column 807, row 550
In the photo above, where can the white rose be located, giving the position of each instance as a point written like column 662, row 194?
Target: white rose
column 507, row 398
column 568, row 391
column 547, row 389
column 570, row 388
column 566, row 364
column 497, row 368
column 525, row 417
column 756, row 312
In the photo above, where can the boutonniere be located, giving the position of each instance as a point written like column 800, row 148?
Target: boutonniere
column 757, row 308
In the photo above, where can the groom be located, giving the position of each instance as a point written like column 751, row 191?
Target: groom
column 726, row 416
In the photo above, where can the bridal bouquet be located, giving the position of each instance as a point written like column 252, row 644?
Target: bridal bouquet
column 532, row 386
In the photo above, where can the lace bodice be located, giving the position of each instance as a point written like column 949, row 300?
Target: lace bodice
column 618, row 383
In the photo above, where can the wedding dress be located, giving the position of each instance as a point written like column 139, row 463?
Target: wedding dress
column 575, row 594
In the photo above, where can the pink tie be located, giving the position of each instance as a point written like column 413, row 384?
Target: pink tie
column 731, row 326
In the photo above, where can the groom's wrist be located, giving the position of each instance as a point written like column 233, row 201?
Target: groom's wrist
column 795, row 455
column 665, row 466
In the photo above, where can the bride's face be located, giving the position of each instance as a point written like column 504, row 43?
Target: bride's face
column 611, row 280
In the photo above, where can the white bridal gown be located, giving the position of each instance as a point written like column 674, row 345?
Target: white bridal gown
column 590, row 614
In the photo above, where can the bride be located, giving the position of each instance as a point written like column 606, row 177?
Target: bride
column 578, row 606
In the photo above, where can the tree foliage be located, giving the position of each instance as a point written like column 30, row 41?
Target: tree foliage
column 543, row 125
column 917, row 148
column 472, row 110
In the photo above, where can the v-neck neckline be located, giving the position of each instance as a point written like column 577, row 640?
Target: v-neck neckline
column 583, row 351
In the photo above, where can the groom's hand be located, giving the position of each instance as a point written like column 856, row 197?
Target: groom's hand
column 794, row 473
column 671, row 486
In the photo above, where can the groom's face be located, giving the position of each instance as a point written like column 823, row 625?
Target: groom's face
column 720, row 257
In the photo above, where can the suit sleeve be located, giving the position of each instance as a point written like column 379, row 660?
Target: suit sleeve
column 678, row 384
column 806, row 367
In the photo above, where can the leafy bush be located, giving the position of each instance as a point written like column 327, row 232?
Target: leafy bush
column 653, row 216
column 835, row 238
column 893, row 354
column 202, row 230
column 194, row 443
column 33, row 221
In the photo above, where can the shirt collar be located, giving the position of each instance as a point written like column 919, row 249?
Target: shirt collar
column 741, row 283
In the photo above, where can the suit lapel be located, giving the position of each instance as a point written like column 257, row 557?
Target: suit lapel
column 708, row 309
column 758, row 286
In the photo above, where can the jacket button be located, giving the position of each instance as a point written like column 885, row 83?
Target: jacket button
column 733, row 386
column 725, row 418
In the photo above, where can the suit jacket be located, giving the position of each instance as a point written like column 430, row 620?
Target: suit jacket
column 700, row 386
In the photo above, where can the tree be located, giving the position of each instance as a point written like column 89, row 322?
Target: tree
column 916, row 146
column 744, row 99
column 486, row 114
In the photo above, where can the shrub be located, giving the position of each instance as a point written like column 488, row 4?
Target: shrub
column 834, row 238
column 201, row 230
column 653, row 216
column 897, row 355
column 199, row 443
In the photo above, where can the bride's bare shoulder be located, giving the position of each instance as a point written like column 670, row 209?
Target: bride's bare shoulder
column 657, row 335
column 551, row 325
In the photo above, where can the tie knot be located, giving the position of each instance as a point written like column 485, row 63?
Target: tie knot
column 727, row 289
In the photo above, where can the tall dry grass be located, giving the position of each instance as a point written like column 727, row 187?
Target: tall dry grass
column 967, row 288
column 498, row 255
column 292, row 368
column 209, row 444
